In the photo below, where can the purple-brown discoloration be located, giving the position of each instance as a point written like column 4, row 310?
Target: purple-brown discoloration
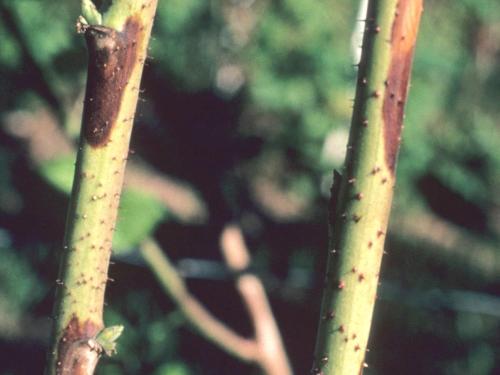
column 112, row 56
column 77, row 352
column 403, row 38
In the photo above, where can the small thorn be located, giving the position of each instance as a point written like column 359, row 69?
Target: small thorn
column 329, row 315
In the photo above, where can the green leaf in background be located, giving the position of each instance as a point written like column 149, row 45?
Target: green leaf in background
column 10, row 55
column 138, row 216
column 54, row 23
column 18, row 282
column 59, row 172
column 172, row 369
column 190, row 21
column 139, row 213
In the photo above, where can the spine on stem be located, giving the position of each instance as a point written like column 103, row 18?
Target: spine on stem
column 117, row 44
column 362, row 196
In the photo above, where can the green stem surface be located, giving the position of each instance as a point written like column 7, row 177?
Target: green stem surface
column 117, row 50
column 362, row 197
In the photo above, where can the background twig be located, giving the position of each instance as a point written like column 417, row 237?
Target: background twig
column 195, row 313
column 272, row 355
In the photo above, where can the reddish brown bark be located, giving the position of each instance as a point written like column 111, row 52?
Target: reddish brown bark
column 403, row 39
column 78, row 352
column 112, row 55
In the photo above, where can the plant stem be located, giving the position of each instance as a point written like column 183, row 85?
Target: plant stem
column 117, row 50
column 196, row 315
column 359, row 212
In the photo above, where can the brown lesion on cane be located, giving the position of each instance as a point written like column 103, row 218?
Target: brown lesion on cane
column 77, row 351
column 403, row 38
column 112, row 57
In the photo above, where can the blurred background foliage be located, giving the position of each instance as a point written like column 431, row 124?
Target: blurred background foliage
column 244, row 114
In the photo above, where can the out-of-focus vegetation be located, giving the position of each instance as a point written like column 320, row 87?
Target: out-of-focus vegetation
column 245, row 114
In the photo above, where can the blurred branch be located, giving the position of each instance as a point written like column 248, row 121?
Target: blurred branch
column 270, row 189
column 266, row 349
column 428, row 233
column 40, row 132
column 273, row 358
column 45, row 140
column 177, row 196
column 195, row 313
column 461, row 301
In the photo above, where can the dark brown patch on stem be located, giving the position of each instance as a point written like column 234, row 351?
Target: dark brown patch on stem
column 77, row 351
column 112, row 56
column 403, row 38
